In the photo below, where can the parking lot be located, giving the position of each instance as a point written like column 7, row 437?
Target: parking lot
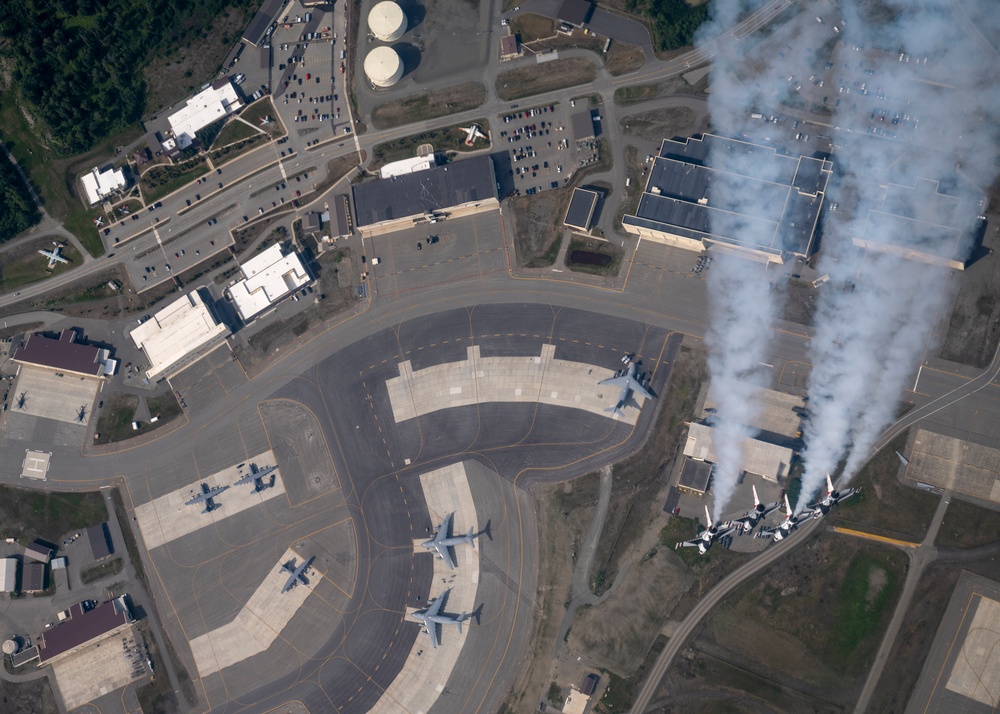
column 541, row 149
column 307, row 54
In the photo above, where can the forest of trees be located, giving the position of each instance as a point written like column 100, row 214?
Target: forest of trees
column 674, row 21
column 17, row 210
column 79, row 62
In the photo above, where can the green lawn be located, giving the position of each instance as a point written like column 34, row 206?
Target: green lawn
column 234, row 131
column 31, row 268
column 861, row 607
column 163, row 180
column 96, row 572
column 48, row 515
column 451, row 138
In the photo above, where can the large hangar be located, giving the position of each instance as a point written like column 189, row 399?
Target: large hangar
column 453, row 190
column 691, row 199
column 387, row 21
column 182, row 329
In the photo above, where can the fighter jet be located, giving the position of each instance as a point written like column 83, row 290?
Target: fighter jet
column 433, row 618
column 207, row 497
column 831, row 499
column 782, row 531
column 296, row 575
column 629, row 382
column 443, row 542
column 708, row 536
column 748, row 521
column 257, row 476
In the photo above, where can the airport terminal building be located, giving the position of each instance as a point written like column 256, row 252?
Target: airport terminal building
column 691, row 199
column 457, row 189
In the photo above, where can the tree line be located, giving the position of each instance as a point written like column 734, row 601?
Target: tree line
column 17, row 209
column 674, row 21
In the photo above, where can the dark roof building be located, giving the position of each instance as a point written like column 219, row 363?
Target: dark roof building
column 100, row 541
column 33, row 577
column 697, row 195
column 575, row 12
column 509, row 48
column 462, row 187
column 341, row 225
column 81, row 627
column 580, row 211
column 583, row 126
column 261, row 21
column 695, row 477
column 38, row 551
column 62, row 355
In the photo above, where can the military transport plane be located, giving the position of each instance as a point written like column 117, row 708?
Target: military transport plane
column 629, row 382
column 782, row 531
column 708, row 536
column 748, row 521
column 433, row 618
column 54, row 256
column 443, row 543
column 257, row 476
column 831, row 499
column 207, row 497
column 296, row 575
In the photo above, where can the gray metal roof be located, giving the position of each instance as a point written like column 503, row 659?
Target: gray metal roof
column 583, row 125
column 424, row 192
column 699, row 188
column 695, row 475
column 261, row 21
column 581, row 209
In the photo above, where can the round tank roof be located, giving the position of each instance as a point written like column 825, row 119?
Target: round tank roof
column 387, row 21
column 383, row 66
column 9, row 647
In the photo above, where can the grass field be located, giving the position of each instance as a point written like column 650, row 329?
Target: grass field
column 448, row 139
column 421, row 107
column 869, row 588
column 163, row 180
column 232, row 132
column 115, row 421
column 966, row 525
column 635, row 93
column 532, row 27
column 22, row 265
column 51, row 174
column 540, row 78
column 228, row 153
column 101, row 570
column 48, row 515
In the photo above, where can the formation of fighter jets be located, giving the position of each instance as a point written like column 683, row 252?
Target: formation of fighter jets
column 433, row 617
column 749, row 520
column 255, row 476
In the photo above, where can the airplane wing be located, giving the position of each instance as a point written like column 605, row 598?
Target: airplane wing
column 689, row 544
column 435, row 607
column 765, row 532
column 638, row 388
column 432, row 632
column 616, row 381
column 197, row 499
column 290, row 583
column 246, row 479
column 445, row 553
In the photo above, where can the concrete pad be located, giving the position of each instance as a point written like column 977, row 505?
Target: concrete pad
column 258, row 624
column 479, row 380
column 167, row 518
column 103, row 666
column 956, row 464
column 427, row 669
column 36, row 465
column 976, row 673
column 54, row 395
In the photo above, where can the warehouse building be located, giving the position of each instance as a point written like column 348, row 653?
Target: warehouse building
column 81, row 627
column 917, row 222
column 38, row 551
column 460, row 188
column 695, row 477
column 580, row 212
column 65, row 355
column 575, row 12
column 216, row 101
column 694, row 199
column 583, row 126
column 341, row 225
column 769, row 461
column 34, row 578
column 178, row 335
column 100, row 541
column 8, row 574
column 509, row 48
column 98, row 185
column 267, row 279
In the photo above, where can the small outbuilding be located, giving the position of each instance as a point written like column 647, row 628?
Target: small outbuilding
column 509, row 48
column 575, row 12
column 38, row 551
column 580, row 212
column 34, row 578
column 100, row 541
column 8, row 574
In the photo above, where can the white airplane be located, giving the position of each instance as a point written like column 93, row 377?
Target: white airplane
column 265, row 120
column 443, row 542
column 472, row 133
column 629, row 382
column 54, row 256
column 782, row 531
column 749, row 520
column 433, row 618
column 831, row 499
column 98, row 221
column 708, row 536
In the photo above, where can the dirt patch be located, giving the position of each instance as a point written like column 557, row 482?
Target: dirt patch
column 635, row 171
column 877, row 580
column 48, row 515
column 657, row 124
column 635, row 93
column 34, row 697
column 800, row 302
column 622, row 59
column 8, row 332
column 421, row 107
column 531, row 28
column 966, row 526
column 185, row 68
column 546, row 77
column 565, row 512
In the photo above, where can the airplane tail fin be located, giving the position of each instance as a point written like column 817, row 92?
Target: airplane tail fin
column 829, row 483
column 460, row 621
column 469, row 539
column 756, row 500
column 708, row 517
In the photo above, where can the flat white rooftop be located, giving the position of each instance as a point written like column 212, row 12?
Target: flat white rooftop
column 759, row 457
column 407, row 166
column 267, row 278
column 174, row 332
column 98, row 185
column 8, row 574
column 202, row 109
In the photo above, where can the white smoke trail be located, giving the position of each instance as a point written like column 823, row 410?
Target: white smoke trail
column 875, row 317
